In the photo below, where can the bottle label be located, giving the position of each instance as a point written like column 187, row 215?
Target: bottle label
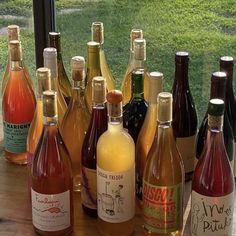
column 15, row 136
column 89, row 188
column 211, row 216
column 162, row 208
column 116, row 195
column 234, row 166
column 51, row 212
column 186, row 147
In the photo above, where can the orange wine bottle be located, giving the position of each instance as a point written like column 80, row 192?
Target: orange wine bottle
column 18, row 106
column 76, row 120
column 51, row 176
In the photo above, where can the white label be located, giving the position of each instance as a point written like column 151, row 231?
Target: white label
column 116, row 195
column 51, row 212
column 212, row 216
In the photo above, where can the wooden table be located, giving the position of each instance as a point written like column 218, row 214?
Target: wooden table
column 15, row 209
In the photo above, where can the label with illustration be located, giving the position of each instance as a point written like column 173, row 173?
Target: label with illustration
column 162, row 208
column 116, row 195
column 89, row 188
column 186, row 147
column 211, row 216
column 15, row 136
column 51, row 212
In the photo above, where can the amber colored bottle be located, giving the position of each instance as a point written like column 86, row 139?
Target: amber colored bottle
column 14, row 34
column 218, row 90
column 36, row 127
column 213, row 187
column 98, row 36
column 115, row 173
column 163, row 180
column 184, row 114
column 138, row 63
column 76, row 120
column 63, row 81
column 97, row 126
column 93, row 69
column 18, row 106
column 50, row 61
column 227, row 66
column 147, row 132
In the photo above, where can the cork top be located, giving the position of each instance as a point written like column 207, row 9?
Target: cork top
column 140, row 49
column 49, row 103
column 93, row 47
column 99, row 90
column 164, row 102
column 114, row 100
column 78, row 68
column 156, row 81
column 114, row 96
column 135, row 34
column 44, row 79
column 97, row 32
column 15, row 50
column 13, row 32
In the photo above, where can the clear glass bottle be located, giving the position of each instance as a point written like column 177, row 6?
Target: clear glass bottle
column 115, row 174
column 98, row 36
column 147, row 132
column 184, row 114
column 93, row 69
column 63, row 81
column 97, row 126
column 135, row 110
column 18, row 106
column 163, row 180
column 51, row 176
column 50, row 61
column 14, row 34
column 139, row 63
column 76, row 120
column 36, row 127
column 213, row 186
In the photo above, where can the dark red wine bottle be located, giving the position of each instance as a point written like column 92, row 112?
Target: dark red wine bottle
column 213, row 183
column 218, row 88
column 184, row 114
column 97, row 126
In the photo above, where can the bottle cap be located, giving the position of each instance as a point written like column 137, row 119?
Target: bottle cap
column 156, row 79
column 114, row 96
column 114, row 100
column 98, row 90
column 140, row 49
column 15, row 50
column 50, row 60
column 93, row 47
column 54, row 40
column 226, row 61
column 181, row 57
column 216, row 107
column 219, row 75
column 13, row 32
column 43, row 75
column 78, row 68
column 164, row 111
column 50, row 103
column 135, row 34
column 97, row 32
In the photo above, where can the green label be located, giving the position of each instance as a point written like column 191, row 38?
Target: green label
column 162, row 208
column 15, row 136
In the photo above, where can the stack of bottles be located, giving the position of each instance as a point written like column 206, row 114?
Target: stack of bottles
column 113, row 147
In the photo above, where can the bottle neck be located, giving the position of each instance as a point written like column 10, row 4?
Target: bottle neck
column 50, row 121
column 215, row 123
column 137, row 88
column 16, row 65
column 115, row 118
column 139, row 64
column 229, row 83
column 78, row 90
column 181, row 75
column 93, row 60
column 218, row 89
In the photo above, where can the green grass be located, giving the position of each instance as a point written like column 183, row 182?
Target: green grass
column 206, row 29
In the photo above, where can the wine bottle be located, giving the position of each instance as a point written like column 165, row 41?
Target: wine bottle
column 36, row 127
column 163, row 180
column 51, row 176
column 98, row 36
column 93, row 69
column 139, row 63
column 97, row 126
column 76, row 120
column 135, row 34
column 115, row 174
column 227, row 66
column 213, row 184
column 184, row 114
column 63, row 81
column 147, row 132
column 18, row 106
column 135, row 110
column 50, row 61
column 218, row 88
column 14, row 34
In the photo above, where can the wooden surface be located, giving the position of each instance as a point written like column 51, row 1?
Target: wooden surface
column 15, row 209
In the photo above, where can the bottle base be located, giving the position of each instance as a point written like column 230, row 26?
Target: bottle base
column 77, row 183
column 90, row 212
column 64, row 232
column 188, row 176
column 16, row 158
column 147, row 232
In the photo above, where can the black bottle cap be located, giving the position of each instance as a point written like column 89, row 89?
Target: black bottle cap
column 181, row 57
column 216, row 107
